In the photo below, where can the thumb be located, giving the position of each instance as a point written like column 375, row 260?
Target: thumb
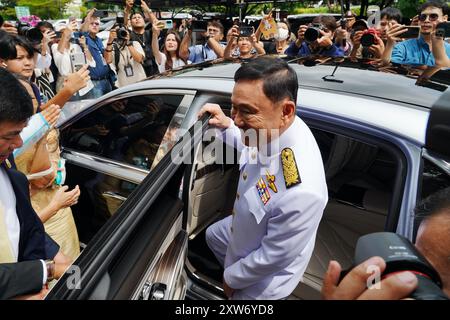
column 331, row 279
column 64, row 188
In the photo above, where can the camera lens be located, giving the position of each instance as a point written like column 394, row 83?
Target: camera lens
column 312, row 34
column 122, row 33
column 367, row 40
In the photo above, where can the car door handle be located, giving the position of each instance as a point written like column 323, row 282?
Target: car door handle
column 113, row 195
column 156, row 291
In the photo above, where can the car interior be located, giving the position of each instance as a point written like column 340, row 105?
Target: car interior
column 361, row 177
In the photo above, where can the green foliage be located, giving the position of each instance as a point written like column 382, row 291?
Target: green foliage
column 409, row 7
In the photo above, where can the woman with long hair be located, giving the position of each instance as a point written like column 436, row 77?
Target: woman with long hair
column 170, row 57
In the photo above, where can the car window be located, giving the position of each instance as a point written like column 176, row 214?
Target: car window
column 128, row 130
column 433, row 179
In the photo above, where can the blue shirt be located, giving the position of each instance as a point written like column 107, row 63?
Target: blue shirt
column 200, row 53
column 96, row 48
column 415, row 52
column 305, row 50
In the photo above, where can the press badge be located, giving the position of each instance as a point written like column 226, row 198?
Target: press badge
column 129, row 71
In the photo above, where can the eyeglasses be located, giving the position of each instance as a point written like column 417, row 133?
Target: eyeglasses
column 433, row 16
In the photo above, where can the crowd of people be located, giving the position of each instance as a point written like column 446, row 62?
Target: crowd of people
column 36, row 221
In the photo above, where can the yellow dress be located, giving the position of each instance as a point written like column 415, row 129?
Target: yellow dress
column 61, row 227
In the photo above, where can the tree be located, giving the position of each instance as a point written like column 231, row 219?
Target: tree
column 45, row 9
column 409, row 7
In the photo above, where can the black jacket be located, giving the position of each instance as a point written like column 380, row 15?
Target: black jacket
column 34, row 243
column 20, row 278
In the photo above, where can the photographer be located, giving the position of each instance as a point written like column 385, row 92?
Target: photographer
column 64, row 50
column 135, row 15
column 316, row 39
column 433, row 241
column 170, row 58
column 127, row 57
column 417, row 52
column 210, row 50
column 245, row 45
column 102, row 76
column 367, row 42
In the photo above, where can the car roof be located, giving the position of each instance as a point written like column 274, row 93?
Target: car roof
column 371, row 84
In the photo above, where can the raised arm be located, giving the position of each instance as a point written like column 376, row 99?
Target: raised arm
column 155, row 43
column 184, row 46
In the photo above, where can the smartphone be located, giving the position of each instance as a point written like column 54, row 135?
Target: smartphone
column 411, row 33
column 101, row 13
column 77, row 60
column 443, row 30
column 58, row 34
column 168, row 24
column 246, row 31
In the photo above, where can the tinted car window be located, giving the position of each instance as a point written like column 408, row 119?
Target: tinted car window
column 129, row 130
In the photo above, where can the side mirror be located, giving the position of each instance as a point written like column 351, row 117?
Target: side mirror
column 438, row 128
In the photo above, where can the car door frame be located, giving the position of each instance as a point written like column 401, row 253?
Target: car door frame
column 411, row 152
column 93, row 263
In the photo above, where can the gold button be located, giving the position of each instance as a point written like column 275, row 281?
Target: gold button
column 238, row 195
column 244, row 176
column 233, row 213
column 253, row 155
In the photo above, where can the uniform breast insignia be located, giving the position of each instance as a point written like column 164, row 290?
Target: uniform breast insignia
column 263, row 191
column 290, row 170
column 271, row 181
column 8, row 164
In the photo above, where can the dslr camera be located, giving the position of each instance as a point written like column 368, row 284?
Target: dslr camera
column 401, row 255
column 368, row 38
column 122, row 33
column 34, row 35
column 313, row 32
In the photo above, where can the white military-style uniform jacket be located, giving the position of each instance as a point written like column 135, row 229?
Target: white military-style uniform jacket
column 281, row 196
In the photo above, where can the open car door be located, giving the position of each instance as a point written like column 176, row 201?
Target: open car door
column 438, row 129
column 140, row 252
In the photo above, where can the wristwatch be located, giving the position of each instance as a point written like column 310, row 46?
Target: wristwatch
column 50, row 264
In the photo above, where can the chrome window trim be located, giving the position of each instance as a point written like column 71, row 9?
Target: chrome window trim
column 112, row 168
column 439, row 162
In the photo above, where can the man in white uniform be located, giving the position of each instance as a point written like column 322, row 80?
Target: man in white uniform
column 265, row 246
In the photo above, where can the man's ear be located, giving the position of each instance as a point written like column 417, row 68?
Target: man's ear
column 445, row 18
column 289, row 109
column 3, row 63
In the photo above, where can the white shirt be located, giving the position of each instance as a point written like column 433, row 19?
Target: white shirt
column 176, row 63
column 8, row 201
column 43, row 62
column 273, row 233
column 62, row 61
column 126, row 59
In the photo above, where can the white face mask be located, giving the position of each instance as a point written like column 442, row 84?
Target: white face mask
column 282, row 34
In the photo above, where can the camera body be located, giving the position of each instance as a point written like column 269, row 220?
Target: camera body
column 313, row 33
column 34, row 35
column 122, row 33
column 401, row 255
column 368, row 38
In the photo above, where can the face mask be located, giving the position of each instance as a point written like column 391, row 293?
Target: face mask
column 282, row 34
